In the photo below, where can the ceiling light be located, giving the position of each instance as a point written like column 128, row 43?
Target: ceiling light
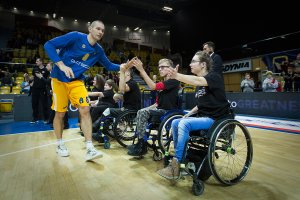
column 167, row 9
column 136, row 28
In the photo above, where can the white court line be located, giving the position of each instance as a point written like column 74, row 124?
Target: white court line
column 33, row 132
column 45, row 145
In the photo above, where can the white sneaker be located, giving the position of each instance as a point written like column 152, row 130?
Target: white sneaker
column 92, row 154
column 62, row 150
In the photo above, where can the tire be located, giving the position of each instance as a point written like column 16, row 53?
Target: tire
column 124, row 128
column 164, row 131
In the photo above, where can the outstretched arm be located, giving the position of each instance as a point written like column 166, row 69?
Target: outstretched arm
column 122, row 82
column 189, row 79
column 139, row 66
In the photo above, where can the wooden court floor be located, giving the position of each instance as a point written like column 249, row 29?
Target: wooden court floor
column 30, row 169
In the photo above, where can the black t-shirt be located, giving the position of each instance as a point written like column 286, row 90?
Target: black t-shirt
column 211, row 99
column 132, row 98
column 40, row 82
column 95, row 89
column 168, row 98
column 108, row 98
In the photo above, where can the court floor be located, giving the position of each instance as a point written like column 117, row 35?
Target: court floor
column 30, row 169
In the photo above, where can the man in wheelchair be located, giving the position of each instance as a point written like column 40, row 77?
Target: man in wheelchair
column 211, row 104
column 166, row 100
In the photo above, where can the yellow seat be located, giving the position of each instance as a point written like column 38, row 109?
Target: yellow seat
column 29, row 70
column 4, row 91
column 16, row 92
column 5, row 88
column 19, row 78
column 18, row 82
column 6, row 105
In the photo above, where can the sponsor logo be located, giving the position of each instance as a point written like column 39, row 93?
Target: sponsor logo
column 243, row 65
column 80, row 63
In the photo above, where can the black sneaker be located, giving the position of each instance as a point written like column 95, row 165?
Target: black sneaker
column 139, row 149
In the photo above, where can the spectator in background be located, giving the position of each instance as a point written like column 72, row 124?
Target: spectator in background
column 297, row 79
column 247, row 85
column 296, row 76
column 25, row 87
column 270, row 84
column 209, row 47
column 7, row 80
column 39, row 91
column 288, row 79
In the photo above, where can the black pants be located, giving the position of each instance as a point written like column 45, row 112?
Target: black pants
column 97, row 111
column 39, row 97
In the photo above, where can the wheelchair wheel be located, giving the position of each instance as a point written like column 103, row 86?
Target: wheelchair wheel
column 106, row 145
column 165, row 139
column 108, row 127
column 157, row 156
column 230, row 152
column 198, row 187
column 124, row 128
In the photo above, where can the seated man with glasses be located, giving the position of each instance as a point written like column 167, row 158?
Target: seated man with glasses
column 167, row 99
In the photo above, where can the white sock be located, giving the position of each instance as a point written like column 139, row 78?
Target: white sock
column 89, row 144
column 60, row 142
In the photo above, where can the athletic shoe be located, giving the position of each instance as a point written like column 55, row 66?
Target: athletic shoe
column 92, row 154
column 62, row 150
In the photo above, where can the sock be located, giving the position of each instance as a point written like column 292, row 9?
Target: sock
column 60, row 142
column 89, row 144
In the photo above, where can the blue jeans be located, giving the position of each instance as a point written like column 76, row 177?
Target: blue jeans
column 181, row 129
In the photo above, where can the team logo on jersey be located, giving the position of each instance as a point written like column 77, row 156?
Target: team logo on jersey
column 83, row 46
column 85, row 57
column 81, row 100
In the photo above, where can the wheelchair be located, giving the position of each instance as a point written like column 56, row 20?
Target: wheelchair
column 224, row 151
column 158, row 125
column 106, row 131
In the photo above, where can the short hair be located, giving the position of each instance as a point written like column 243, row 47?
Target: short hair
column 40, row 59
column 168, row 61
column 210, row 44
column 96, row 21
column 204, row 57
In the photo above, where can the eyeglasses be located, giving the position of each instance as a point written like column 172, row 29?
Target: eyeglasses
column 162, row 67
column 194, row 61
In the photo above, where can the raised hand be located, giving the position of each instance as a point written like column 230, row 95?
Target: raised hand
column 138, row 64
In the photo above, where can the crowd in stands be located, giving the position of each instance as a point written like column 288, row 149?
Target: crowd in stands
column 26, row 45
